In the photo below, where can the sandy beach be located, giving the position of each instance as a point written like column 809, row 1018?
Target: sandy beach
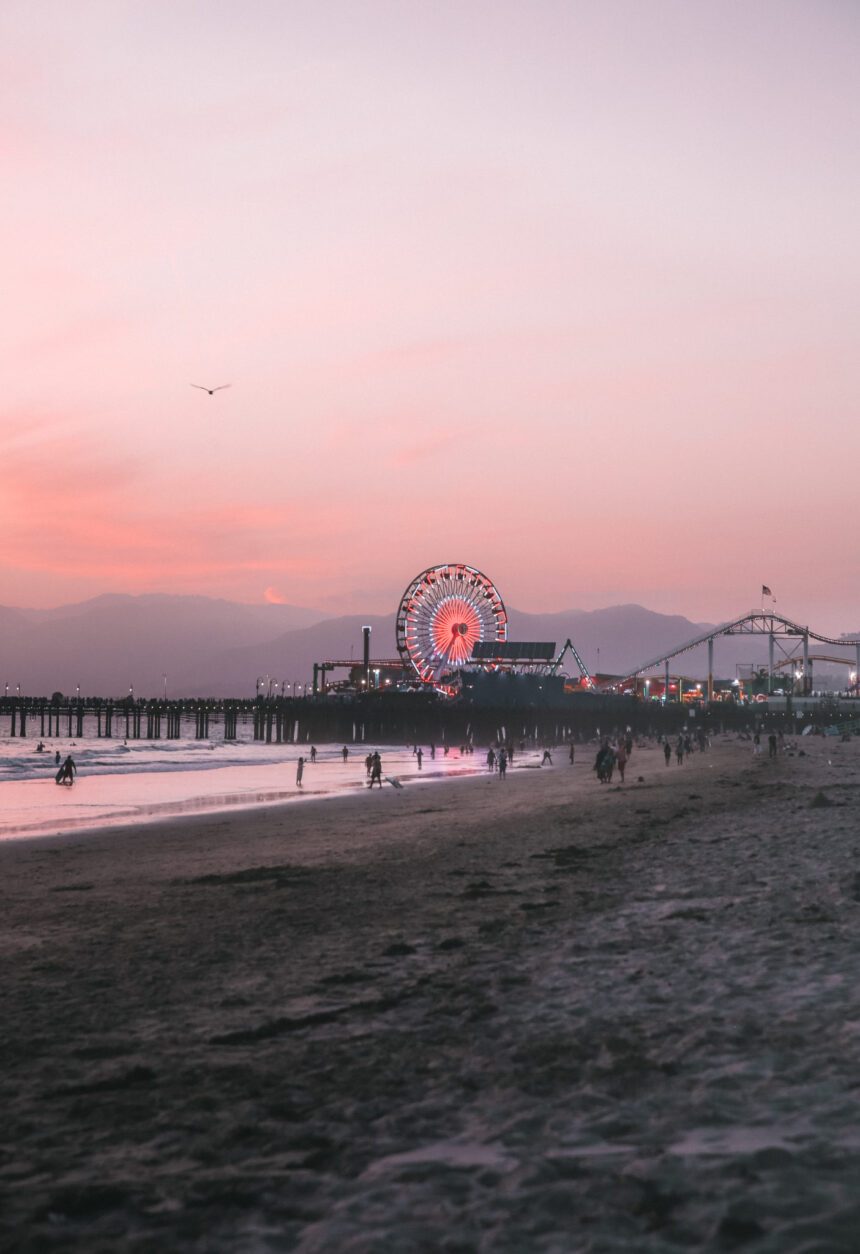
column 539, row 1014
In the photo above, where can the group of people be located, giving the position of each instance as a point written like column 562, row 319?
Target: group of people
column 611, row 755
column 498, row 761
column 685, row 745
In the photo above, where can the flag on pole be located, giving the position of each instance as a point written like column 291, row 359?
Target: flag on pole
column 765, row 591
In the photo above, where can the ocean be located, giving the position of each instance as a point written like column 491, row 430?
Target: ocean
column 121, row 783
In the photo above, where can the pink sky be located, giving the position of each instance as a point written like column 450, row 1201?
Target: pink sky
column 566, row 291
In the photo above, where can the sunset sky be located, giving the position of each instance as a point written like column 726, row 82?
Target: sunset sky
column 567, row 291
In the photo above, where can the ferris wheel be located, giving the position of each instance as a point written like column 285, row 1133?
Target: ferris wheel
column 442, row 614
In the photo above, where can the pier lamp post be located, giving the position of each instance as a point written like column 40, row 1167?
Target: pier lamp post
column 78, row 692
column 18, row 690
column 6, row 694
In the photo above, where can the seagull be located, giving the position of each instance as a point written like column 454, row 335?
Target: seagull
column 211, row 391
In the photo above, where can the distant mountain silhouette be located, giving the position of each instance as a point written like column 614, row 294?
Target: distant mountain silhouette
column 113, row 642
column 220, row 648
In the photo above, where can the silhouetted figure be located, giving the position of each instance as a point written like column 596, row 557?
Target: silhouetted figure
column 66, row 773
column 376, row 770
column 345, row 753
column 300, row 770
column 313, row 753
column 547, row 758
column 503, row 763
column 604, row 762
column 419, row 755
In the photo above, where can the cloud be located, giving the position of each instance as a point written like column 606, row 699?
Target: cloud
column 436, row 441
column 72, row 507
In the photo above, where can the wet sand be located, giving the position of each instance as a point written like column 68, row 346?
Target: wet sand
column 537, row 1014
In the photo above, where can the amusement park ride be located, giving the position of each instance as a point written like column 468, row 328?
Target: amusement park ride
column 452, row 621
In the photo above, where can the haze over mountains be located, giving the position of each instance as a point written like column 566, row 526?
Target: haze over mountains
column 217, row 648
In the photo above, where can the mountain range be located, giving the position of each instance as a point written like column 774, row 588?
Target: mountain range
column 200, row 646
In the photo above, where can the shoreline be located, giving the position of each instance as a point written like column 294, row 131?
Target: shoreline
column 131, row 798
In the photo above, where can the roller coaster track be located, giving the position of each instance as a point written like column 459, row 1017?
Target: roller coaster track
column 813, row 657
column 759, row 623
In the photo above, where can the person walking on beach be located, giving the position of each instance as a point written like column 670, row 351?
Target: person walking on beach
column 667, row 751
column 368, row 763
column 547, row 758
column 621, row 759
column 300, row 770
column 771, row 745
column 345, row 753
column 604, row 762
column 572, row 754
column 66, row 773
column 375, row 770
column 679, row 750
column 313, row 753
column 419, row 755
column 57, row 758
column 491, row 761
column 503, row 763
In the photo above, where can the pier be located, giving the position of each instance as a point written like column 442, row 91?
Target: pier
column 387, row 718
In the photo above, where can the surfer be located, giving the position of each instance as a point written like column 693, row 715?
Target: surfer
column 66, row 773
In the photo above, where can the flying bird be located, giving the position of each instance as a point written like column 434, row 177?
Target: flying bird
column 220, row 387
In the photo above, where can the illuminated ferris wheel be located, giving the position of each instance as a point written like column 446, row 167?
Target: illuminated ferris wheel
column 442, row 614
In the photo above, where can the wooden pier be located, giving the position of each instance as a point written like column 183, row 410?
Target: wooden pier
column 75, row 718
column 369, row 718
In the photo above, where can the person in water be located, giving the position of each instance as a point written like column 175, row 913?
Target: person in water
column 66, row 773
